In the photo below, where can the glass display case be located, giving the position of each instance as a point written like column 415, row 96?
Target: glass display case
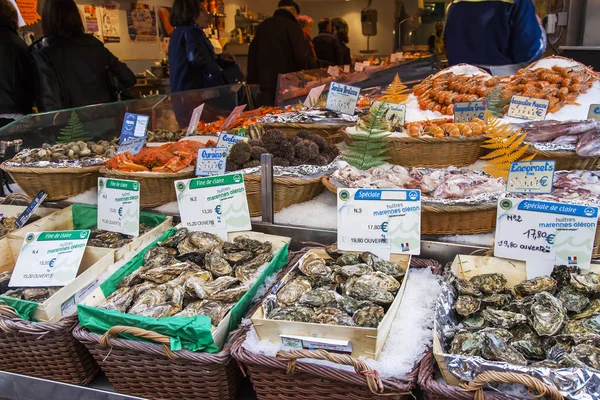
column 294, row 87
column 104, row 121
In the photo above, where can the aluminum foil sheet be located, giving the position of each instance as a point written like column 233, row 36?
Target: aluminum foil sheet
column 87, row 162
column 307, row 117
column 300, row 171
column 549, row 146
column 573, row 383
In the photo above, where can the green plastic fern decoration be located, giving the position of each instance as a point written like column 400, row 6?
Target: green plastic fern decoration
column 367, row 150
column 73, row 132
column 496, row 105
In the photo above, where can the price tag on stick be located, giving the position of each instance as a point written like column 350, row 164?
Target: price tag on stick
column 467, row 111
column 49, row 258
column 313, row 96
column 528, row 108
column 119, row 206
column 342, row 98
column 195, row 119
column 380, row 221
column 395, row 113
column 216, row 204
column 30, row 210
column 228, row 140
column 232, row 117
column 132, row 146
column 561, row 233
column 134, row 126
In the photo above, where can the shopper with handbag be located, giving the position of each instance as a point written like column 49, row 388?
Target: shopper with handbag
column 74, row 68
column 193, row 63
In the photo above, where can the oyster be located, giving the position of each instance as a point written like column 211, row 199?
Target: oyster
column 195, row 257
column 368, row 317
column 37, row 294
column 588, row 283
column 503, row 319
column 466, row 344
column 547, row 314
column 333, row 316
column 245, row 243
column 230, row 295
column 498, row 300
column 531, row 346
column 588, row 355
column 291, row 292
column 134, row 278
column 174, row 240
column 119, row 300
column 368, row 290
column 474, row 322
column 14, row 293
column 158, row 256
column 333, row 251
column 164, row 273
column 466, row 288
column 205, row 242
column 381, row 265
column 142, row 287
column 535, row 285
column 348, row 304
column 148, row 300
column 348, row 259
column 467, row 305
column 502, row 333
column 215, row 310
column 238, row 257
column 496, row 349
column 206, row 290
column 257, row 261
column 4, row 280
column 489, row 283
column 318, row 298
column 229, row 247
column 382, row 280
column 353, row 270
column 581, row 327
column 562, row 274
column 216, row 264
column 298, row 314
column 160, row 311
column 265, row 248
column 592, row 309
column 314, row 267
column 572, row 299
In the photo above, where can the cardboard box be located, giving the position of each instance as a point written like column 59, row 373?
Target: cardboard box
column 365, row 342
column 63, row 221
column 94, row 262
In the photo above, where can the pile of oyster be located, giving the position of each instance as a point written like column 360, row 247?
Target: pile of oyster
column 347, row 289
column 85, row 153
column 165, row 135
column 36, row 294
column 190, row 274
column 113, row 240
column 550, row 321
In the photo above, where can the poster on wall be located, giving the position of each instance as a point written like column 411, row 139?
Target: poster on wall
column 28, row 10
column 90, row 20
column 141, row 23
column 110, row 22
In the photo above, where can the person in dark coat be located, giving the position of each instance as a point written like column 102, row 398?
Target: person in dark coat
column 73, row 68
column 306, row 23
column 327, row 46
column 278, row 48
column 193, row 63
column 16, row 68
column 340, row 30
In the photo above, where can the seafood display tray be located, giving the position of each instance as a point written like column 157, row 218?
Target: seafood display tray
column 220, row 334
column 63, row 221
column 466, row 267
column 94, row 262
column 366, row 342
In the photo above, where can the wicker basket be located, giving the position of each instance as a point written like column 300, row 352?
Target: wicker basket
column 330, row 132
column 432, row 152
column 59, row 183
column 286, row 191
column 434, row 389
column 450, row 220
column 44, row 349
column 156, row 188
column 566, row 160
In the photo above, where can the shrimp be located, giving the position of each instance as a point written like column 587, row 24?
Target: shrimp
column 492, row 82
column 476, row 129
column 450, row 110
column 451, row 129
column 464, row 129
column 437, row 108
column 415, row 129
column 562, row 93
column 435, row 131
column 576, row 87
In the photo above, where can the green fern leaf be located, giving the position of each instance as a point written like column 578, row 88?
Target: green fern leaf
column 73, row 131
column 367, row 150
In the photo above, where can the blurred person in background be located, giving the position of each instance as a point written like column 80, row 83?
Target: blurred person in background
column 340, row 29
column 16, row 68
column 437, row 41
column 193, row 63
column 328, row 47
column 306, row 24
column 500, row 36
column 278, row 48
column 73, row 68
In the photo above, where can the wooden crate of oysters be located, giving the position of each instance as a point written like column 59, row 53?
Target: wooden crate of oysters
column 345, row 300
column 10, row 213
column 81, row 216
column 507, row 319
column 188, row 274
column 53, row 303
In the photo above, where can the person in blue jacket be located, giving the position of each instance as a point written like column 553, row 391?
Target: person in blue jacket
column 193, row 63
column 501, row 36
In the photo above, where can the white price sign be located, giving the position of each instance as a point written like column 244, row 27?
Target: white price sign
column 49, row 258
column 313, row 96
column 119, row 206
column 380, row 221
column 528, row 108
column 196, row 114
column 342, row 98
column 395, row 113
column 468, row 110
column 562, row 234
column 531, row 177
column 215, row 204
column 228, row 140
column 594, row 111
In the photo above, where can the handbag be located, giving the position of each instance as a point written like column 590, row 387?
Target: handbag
column 232, row 73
